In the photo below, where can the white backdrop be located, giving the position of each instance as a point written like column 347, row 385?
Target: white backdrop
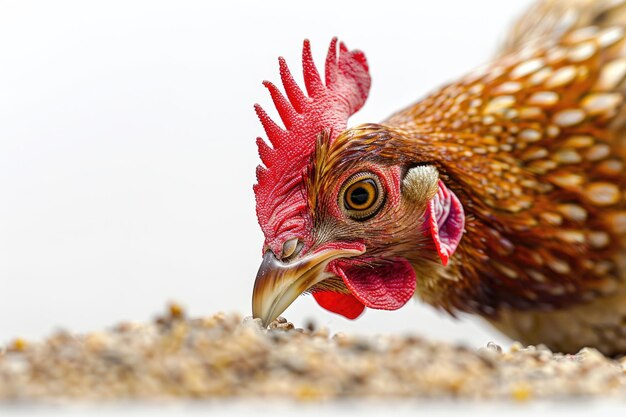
column 127, row 149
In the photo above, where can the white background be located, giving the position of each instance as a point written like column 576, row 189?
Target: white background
column 127, row 150
column 127, row 158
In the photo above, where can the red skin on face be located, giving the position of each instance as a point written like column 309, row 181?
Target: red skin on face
column 390, row 285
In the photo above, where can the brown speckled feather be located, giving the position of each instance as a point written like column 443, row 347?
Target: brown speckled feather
column 534, row 146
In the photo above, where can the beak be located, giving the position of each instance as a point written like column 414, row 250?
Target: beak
column 278, row 283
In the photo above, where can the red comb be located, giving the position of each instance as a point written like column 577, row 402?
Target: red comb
column 281, row 202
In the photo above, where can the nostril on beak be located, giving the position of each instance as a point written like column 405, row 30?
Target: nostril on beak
column 290, row 248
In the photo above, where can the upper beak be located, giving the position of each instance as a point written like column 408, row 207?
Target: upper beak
column 278, row 283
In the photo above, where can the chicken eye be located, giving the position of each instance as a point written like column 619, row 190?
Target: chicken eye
column 362, row 196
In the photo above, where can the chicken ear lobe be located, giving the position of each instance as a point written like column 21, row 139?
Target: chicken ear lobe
column 444, row 216
column 445, row 220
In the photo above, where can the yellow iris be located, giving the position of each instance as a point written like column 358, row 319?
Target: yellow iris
column 362, row 196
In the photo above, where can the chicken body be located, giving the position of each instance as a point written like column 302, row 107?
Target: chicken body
column 532, row 145
column 537, row 153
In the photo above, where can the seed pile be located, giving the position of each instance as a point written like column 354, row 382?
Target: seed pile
column 224, row 357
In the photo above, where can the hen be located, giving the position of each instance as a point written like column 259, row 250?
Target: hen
column 502, row 194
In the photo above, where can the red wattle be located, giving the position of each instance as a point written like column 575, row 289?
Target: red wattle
column 383, row 287
column 345, row 304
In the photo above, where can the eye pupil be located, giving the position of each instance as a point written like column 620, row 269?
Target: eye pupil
column 359, row 196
